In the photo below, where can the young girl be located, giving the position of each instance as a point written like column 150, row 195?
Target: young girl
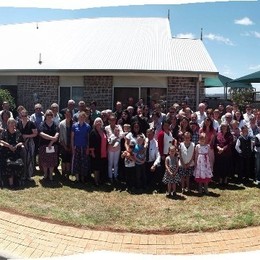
column 203, row 171
column 113, row 154
column 186, row 151
column 171, row 176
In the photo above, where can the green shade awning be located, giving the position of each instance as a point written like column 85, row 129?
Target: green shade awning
column 250, row 78
column 213, row 83
column 223, row 81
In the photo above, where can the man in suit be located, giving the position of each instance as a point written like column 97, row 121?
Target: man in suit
column 71, row 107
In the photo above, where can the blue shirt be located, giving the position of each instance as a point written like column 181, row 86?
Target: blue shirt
column 81, row 134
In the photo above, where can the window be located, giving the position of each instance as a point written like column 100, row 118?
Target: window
column 72, row 92
column 147, row 93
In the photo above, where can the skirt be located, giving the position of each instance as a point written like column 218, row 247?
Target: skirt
column 48, row 160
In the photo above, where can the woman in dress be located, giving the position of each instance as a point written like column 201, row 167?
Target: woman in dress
column 12, row 142
column 48, row 148
column 98, row 151
column 29, row 131
column 223, row 154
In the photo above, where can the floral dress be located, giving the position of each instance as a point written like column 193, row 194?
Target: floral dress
column 203, row 171
column 173, row 163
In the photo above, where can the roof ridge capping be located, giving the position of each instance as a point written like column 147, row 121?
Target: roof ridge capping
column 87, row 18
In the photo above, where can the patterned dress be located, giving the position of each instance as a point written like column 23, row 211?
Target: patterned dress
column 173, row 163
column 202, row 172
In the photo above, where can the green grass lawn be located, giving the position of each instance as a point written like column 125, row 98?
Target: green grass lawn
column 111, row 208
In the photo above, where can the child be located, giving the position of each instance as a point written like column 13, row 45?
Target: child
column 186, row 152
column 244, row 147
column 171, row 176
column 129, row 161
column 140, row 156
column 203, row 171
column 113, row 154
column 126, row 129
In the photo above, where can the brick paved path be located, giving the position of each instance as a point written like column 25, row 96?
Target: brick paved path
column 27, row 237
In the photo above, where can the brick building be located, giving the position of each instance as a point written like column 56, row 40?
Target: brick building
column 102, row 59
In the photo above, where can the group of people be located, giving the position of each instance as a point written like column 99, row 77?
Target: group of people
column 144, row 147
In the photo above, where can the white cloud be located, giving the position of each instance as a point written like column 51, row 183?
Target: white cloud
column 250, row 34
column 256, row 34
column 255, row 67
column 186, row 35
column 244, row 21
column 226, row 70
column 218, row 38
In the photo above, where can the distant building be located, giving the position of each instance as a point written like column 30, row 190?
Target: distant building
column 102, row 59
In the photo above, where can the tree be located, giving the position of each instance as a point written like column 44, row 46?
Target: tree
column 6, row 96
column 242, row 96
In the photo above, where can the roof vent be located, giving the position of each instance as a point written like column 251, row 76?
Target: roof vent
column 40, row 58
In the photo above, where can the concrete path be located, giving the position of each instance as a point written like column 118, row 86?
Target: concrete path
column 23, row 237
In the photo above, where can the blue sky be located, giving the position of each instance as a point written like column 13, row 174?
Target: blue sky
column 231, row 30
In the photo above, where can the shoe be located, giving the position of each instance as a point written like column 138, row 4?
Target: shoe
column 11, row 187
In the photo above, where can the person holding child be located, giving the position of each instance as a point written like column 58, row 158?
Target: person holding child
column 171, row 176
column 129, row 162
column 203, row 170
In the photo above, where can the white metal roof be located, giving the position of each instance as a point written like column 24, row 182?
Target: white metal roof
column 101, row 44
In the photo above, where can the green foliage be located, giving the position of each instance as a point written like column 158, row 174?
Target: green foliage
column 6, row 96
column 242, row 96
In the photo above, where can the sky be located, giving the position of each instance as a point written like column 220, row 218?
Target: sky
column 230, row 29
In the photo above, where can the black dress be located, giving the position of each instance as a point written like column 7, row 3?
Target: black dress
column 6, row 153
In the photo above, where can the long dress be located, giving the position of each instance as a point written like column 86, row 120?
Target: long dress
column 29, row 146
column 203, row 171
column 223, row 165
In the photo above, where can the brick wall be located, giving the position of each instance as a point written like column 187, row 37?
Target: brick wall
column 181, row 87
column 46, row 88
column 99, row 88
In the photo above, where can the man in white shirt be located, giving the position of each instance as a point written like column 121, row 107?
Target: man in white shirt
column 153, row 159
column 201, row 113
column 248, row 114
